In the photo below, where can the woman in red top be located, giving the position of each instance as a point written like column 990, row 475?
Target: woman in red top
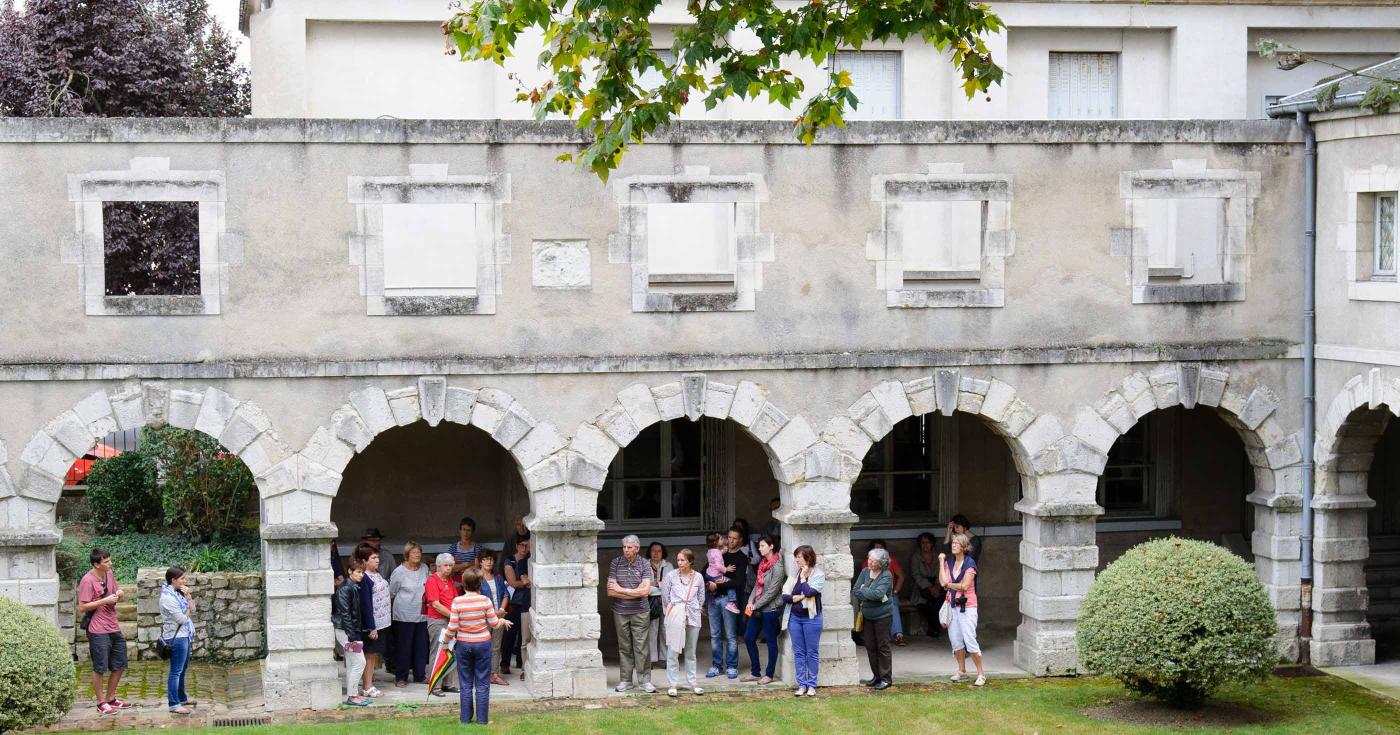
column 470, row 622
column 438, row 594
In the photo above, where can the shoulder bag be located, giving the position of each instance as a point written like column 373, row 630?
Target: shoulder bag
column 675, row 617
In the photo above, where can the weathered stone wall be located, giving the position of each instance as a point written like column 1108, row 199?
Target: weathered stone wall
column 228, row 614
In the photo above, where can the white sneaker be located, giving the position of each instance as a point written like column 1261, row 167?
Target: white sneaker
column 623, row 686
column 649, row 688
column 800, row 691
column 980, row 681
column 955, row 678
column 671, row 692
column 698, row 690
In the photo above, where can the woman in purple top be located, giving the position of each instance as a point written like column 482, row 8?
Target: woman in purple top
column 682, row 596
column 804, row 624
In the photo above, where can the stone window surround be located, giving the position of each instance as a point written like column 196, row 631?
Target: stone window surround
column 693, row 184
column 944, row 182
column 429, row 184
column 1356, row 234
column 150, row 179
column 1188, row 178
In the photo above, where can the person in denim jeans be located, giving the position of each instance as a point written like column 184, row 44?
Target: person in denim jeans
column 804, row 624
column 765, row 609
column 724, row 625
column 469, row 628
column 176, row 628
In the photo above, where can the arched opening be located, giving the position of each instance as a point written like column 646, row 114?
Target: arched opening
column 914, row 480
column 1383, row 533
column 677, row 481
column 415, row 483
column 1177, row 471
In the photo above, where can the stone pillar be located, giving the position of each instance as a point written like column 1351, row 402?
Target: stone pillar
column 1277, row 547
column 1340, row 634
column 27, row 571
column 563, row 659
column 828, row 532
column 1059, row 557
column 300, row 670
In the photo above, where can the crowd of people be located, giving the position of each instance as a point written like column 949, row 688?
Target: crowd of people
column 476, row 605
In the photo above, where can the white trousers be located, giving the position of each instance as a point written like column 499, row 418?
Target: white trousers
column 354, row 665
column 962, row 631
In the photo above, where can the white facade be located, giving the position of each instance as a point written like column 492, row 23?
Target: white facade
column 1164, row 59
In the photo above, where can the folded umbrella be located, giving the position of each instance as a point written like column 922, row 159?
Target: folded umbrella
column 446, row 659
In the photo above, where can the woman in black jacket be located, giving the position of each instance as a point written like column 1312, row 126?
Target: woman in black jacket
column 348, row 622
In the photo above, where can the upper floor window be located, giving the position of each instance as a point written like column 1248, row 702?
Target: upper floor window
column 690, row 242
column 1083, row 85
column 875, row 80
column 942, row 239
column 1183, row 237
column 150, row 248
column 430, row 249
column 1385, row 237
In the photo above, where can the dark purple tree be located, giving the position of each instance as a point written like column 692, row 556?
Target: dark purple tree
column 118, row 58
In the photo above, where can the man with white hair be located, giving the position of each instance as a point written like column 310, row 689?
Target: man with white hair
column 629, row 586
column 438, row 594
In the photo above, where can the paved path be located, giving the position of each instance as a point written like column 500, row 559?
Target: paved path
column 1382, row 678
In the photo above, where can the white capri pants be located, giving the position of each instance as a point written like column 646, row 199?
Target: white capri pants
column 962, row 630
column 354, row 665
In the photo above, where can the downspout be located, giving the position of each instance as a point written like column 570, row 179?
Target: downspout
column 1309, row 386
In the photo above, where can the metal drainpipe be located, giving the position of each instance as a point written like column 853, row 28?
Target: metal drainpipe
column 1309, row 387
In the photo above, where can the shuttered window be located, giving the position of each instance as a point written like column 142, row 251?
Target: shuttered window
column 1083, row 85
column 942, row 236
column 691, row 239
column 429, row 248
column 875, row 79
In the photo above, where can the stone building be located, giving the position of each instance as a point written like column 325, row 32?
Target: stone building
column 1079, row 334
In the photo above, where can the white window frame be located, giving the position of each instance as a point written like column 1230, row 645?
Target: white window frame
column 429, row 184
column 1117, row 104
column 1377, row 272
column 150, row 179
column 720, row 277
column 943, row 483
column 1358, row 235
column 897, row 83
column 616, row 484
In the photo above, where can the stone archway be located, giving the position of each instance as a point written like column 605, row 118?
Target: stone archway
column 1345, row 447
column 784, row 439
column 28, row 532
column 1057, row 484
column 1274, row 454
column 297, row 529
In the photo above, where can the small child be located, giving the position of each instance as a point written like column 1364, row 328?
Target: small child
column 715, row 569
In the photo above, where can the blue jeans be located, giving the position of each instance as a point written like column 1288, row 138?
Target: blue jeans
column 806, row 635
column 724, row 628
column 769, row 621
column 474, row 678
column 897, row 627
column 179, row 662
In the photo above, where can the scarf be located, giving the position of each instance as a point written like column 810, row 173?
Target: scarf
column 763, row 568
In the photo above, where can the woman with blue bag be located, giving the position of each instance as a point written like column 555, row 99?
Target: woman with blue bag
column 176, row 634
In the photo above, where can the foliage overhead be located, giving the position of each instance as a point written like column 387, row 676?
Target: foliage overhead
column 118, row 58
column 36, row 668
column 596, row 53
column 1175, row 619
column 1382, row 93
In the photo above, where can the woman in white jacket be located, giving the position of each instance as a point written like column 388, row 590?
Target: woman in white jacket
column 804, row 623
column 177, row 630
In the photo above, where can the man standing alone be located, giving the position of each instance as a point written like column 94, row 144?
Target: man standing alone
column 629, row 586
column 98, row 595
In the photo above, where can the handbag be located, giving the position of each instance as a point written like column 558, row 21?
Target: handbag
column 945, row 614
column 163, row 649
column 656, row 611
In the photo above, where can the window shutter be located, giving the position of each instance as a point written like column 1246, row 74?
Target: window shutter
column 1083, row 85
column 875, row 77
column 689, row 238
column 941, row 236
column 429, row 246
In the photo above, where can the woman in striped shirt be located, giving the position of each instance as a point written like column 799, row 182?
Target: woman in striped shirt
column 473, row 616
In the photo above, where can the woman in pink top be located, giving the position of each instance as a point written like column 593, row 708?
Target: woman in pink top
column 959, row 577
column 470, row 623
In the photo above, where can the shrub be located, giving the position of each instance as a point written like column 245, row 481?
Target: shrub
column 239, row 552
column 204, row 489
column 71, row 559
column 36, row 667
column 122, row 491
column 1174, row 619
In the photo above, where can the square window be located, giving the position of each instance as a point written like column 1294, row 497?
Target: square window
column 658, row 477
column 430, row 249
column 692, row 242
column 1083, row 86
column 942, row 239
column 875, row 80
column 1385, row 237
column 1183, row 237
column 651, row 78
column 150, row 248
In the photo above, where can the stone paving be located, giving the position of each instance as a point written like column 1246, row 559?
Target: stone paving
column 1382, row 677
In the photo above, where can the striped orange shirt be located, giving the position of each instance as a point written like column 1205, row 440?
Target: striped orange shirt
column 472, row 618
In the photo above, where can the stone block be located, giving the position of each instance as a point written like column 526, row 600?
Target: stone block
column 794, row 437
column 1059, row 558
column 1091, row 429
column 719, row 399
column 432, row 398
column 327, row 450
column 514, row 424
column 670, row 404
column 183, row 409
column 542, row 441
column 748, row 401
column 842, row 433
column 1043, row 432
column 372, row 405
column 640, row 405
column 215, row 411
column 1065, row 607
column 945, row 387
column 350, row 429
column 404, row 405
column 998, row 401
column 889, row 395
column 460, row 403
column 618, row 425
column 560, row 264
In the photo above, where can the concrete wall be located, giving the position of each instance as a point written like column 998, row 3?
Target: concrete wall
column 319, row 399
column 1179, row 59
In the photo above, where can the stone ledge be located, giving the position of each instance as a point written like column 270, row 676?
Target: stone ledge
column 300, row 531
column 1059, row 510
column 20, row 537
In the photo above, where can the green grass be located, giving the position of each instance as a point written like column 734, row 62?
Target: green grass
column 1292, row 705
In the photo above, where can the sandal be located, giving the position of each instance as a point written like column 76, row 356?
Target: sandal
column 401, row 684
column 374, row 692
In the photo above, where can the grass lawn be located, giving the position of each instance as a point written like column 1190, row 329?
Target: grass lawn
column 1283, row 705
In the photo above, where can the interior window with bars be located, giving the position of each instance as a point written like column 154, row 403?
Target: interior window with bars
column 875, row 80
column 1125, row 487
column 657, row 477
column 1384, row 266
column 1083, row 85
column 900, row 473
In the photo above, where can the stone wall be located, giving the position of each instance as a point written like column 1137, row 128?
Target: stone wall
column 228, row 614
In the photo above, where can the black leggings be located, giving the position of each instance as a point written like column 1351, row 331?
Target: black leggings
column 410, row 650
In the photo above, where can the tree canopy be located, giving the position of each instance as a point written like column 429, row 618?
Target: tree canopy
column 598, row 51
column 118, row 58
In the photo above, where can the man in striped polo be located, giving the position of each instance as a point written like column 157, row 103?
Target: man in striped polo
column 629, row 587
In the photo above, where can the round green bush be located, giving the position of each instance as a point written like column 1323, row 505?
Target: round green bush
column 123, row 493
column 36, row 667
column 1175, row 619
